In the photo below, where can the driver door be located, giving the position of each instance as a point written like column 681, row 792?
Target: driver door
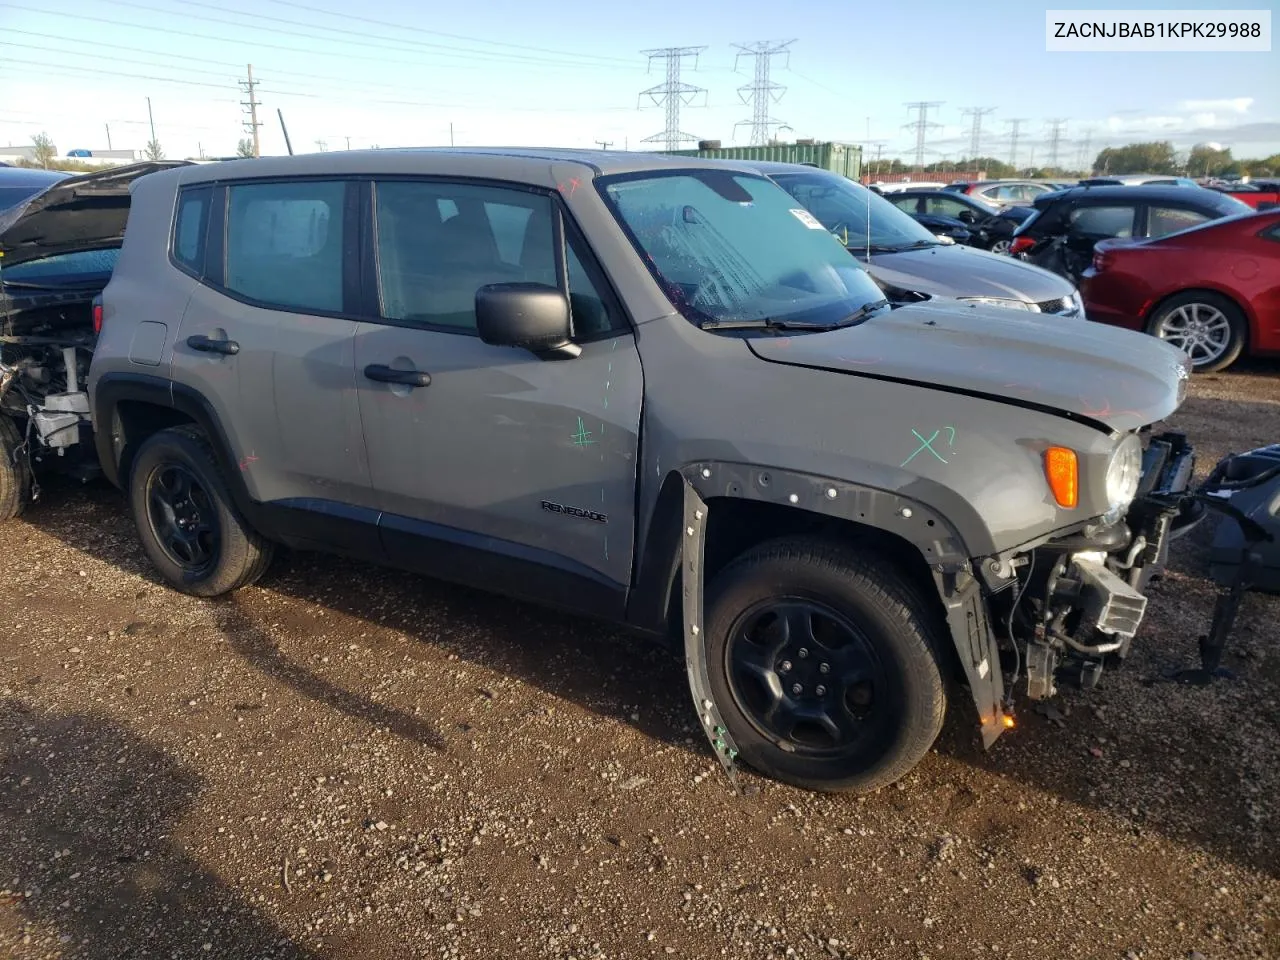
column 487, row 462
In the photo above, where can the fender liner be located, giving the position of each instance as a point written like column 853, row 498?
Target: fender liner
column 959, row 590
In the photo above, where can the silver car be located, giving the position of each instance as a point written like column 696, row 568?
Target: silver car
column 908, row 261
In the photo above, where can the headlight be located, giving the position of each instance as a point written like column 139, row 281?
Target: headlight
column 1124, row 472
column 1001, row 302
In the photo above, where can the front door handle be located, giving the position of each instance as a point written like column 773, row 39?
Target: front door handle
column 409, row 378
column 207, row 345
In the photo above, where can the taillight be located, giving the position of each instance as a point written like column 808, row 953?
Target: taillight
column 97, row 318
column 1021, row 245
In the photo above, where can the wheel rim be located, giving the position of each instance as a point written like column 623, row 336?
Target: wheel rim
column 1001, row 246
column 806, row 677
column 182, row 517
column 1200, row 330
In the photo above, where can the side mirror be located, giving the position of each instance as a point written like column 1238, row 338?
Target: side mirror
column 532, row 316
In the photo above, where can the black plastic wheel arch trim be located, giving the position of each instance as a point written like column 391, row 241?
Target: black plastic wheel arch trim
column 695, row 649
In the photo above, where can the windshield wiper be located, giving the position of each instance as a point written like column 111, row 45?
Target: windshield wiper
column 773, row 323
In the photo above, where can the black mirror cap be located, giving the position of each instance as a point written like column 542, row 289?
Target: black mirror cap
column 533, row 316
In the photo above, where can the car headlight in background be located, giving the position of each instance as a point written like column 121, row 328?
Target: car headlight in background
column 1124, row 473
column 1001, row 302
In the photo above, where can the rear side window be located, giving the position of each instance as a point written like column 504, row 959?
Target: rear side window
column 284, row 244
column 1163, row 220
column 191, row 224
column 1102, row 221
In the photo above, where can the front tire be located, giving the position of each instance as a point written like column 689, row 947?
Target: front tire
column 186, row 519
column 1206, row 326
column 1001, row 246
column 822, row 660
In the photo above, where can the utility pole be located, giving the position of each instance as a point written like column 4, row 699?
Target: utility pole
column 922, row 126
column 1031, row 164
column 152, row 120
column 348, row 139
column 1013, row 140
column 1055, row 138
column 451, row 133
column 761, row 90
column 674, row 93
column 322, row 145
column 975, row 132
column 108, row 126
column 605, row 144
column 252, row 126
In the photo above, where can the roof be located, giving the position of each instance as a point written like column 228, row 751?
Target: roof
column 1147, row 192
column 769, row 167
column 528, row 164
column 26, row 177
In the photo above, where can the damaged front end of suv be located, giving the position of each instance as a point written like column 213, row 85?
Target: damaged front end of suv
column 1065, row 606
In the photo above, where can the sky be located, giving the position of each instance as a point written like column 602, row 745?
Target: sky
column 499, row 72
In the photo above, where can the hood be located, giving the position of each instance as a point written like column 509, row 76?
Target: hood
column 959, row 271
column 1113, row 378
column 79, row 213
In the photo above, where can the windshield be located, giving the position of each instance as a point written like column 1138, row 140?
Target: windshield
column 841, row 206
column 78, row 268
column 735, row 247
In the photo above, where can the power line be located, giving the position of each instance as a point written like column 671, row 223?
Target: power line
column 1013, row 140
column 362, row 38
column 762, row 89
column 252, row 106
column 975, row 133
column 922, row 125
column 1055, row 139
column 345, row 15
column 484, row 57
column 675, row 93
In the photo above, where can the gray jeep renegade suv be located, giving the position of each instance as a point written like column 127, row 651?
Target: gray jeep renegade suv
column 651, row 390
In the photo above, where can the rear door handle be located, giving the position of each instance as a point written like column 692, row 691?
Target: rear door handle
column 205, row 344
column 409, row 378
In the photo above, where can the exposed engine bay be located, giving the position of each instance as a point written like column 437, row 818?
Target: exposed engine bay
column 42, row 389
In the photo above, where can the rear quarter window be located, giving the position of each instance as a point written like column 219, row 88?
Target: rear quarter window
column 191, row 225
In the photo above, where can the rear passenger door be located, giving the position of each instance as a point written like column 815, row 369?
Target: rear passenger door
column 500, row 466
column 267, row 341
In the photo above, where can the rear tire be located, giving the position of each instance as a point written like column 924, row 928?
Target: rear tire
column 15, row 476
column 1204, row 324
column 186, row 519
column 848, row 695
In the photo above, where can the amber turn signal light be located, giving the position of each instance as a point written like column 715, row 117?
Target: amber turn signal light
column 1062, row 469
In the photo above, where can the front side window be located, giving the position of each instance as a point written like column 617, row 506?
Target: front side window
column 1102, row 221
column 284, row 243
column 438, row 243
column 1165, row 220
column 732, row 247
column 946, row 207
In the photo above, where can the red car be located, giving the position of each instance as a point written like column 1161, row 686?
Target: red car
column 1213, row 289
column 1260, row 194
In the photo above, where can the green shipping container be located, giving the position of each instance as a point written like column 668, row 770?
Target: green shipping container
column 842, row 158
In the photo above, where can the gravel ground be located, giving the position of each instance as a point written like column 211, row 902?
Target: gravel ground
column 351, row 762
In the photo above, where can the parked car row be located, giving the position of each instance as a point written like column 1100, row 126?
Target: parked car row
column 645, row 388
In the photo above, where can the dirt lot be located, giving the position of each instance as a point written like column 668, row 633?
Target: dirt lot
column 349, row 762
